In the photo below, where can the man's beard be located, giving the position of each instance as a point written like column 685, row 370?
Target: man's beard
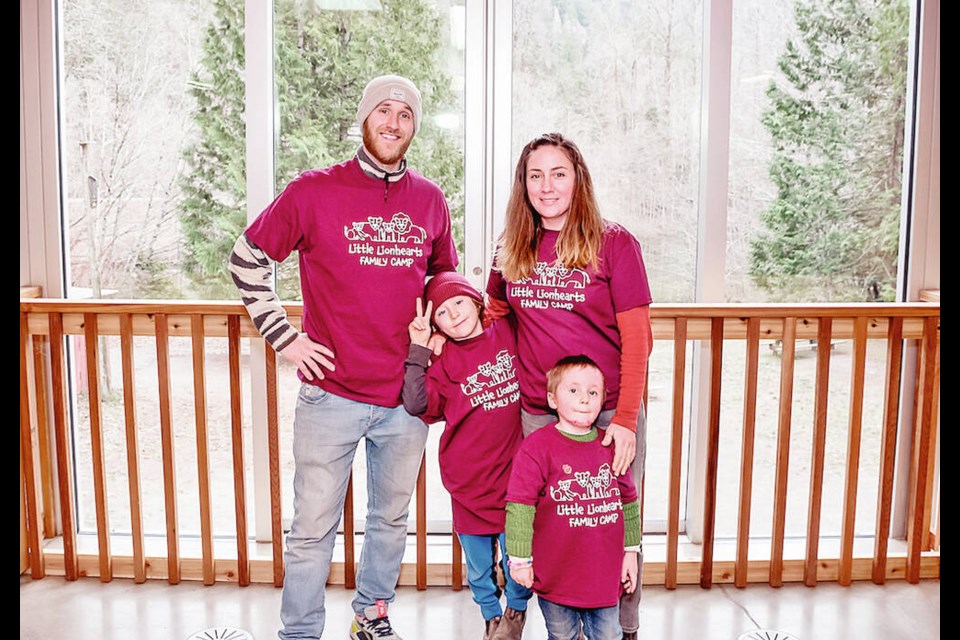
column 371, row 142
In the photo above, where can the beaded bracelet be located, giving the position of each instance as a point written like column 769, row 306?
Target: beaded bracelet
column 519, row 563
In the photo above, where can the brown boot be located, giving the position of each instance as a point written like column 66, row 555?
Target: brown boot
column 491, row 628
column 511, row 625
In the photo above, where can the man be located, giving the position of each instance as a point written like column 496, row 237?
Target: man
column 368, row 232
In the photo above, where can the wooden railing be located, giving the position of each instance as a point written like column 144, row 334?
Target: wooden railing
column 48, row 476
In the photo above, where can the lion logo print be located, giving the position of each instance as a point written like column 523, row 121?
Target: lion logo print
column 490, row 374
column 593, row 487
column 399, row 229
column 557, row 276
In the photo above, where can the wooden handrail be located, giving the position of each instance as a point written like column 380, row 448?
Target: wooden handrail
column 45, row 323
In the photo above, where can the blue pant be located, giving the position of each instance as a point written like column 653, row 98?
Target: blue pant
column 480, row 553
column 326, row 432
column 563, row 623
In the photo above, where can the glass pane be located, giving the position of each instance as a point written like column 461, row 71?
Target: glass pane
column 816, row 149
column 325, row 53
column 622, row 80
column 151, row 145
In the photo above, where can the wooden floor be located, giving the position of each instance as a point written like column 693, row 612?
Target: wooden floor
column 53, row 608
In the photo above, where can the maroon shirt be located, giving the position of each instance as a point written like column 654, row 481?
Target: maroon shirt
column 578, row 536
column 473, row 386
column 562, row 312
column 365, row 247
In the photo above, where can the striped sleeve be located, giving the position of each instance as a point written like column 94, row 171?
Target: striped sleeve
column 251, row 269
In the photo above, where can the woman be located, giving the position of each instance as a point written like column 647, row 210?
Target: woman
column 577, row 284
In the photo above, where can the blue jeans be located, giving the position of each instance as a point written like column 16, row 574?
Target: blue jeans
column 480, row 552
column 563, row 622
column 629, row 602
column 326, row 432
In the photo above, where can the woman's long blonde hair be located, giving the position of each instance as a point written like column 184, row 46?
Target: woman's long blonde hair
column 579, row 243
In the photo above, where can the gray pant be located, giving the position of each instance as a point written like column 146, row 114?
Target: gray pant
column 629, row 602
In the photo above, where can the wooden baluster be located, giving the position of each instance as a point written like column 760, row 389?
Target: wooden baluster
column 236, row 432
column 457, row 560
column 166, row 442
column 818, row 452
column 917, row 529
column 133, row 459
column 203, row 457
column 47, row 473
column 422, row 525
column 713, row 452
column 932, row 535
column 29, row 469
column 64, row 466
column 676, row 449
column 751, row 368
column 783, row 450
column 888, row 448
column 91, row 340
column 858, row 371
column 349, row 541
column 273, row 446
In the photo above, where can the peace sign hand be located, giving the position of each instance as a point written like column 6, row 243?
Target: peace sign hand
column 419, row 327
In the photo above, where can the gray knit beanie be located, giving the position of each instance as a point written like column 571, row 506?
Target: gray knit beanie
column 389, row 88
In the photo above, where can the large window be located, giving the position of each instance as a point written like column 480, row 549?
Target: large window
column 816, row 150
column 156, row 137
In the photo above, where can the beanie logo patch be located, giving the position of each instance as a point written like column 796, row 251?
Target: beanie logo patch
column 398, row 94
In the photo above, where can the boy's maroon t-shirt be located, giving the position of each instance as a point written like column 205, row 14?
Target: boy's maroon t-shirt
column 562, row 312
column 578, row 534
column 365, row 247
column 473, row 386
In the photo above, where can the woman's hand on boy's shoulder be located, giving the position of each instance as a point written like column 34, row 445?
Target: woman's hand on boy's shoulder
column 419, row 328
column 624, row 442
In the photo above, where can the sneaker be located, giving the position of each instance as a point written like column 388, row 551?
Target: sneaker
column 373, row 624
column 511, row 625
column 490, row 628
column 629, row 635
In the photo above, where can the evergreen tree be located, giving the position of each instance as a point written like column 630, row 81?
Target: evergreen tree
column 323, row 59
column 836, row 119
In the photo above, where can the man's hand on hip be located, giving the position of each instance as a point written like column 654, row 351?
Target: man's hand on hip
column 310, row 357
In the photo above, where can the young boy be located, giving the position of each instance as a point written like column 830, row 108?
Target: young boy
column 573, row 528
column 473, row 387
